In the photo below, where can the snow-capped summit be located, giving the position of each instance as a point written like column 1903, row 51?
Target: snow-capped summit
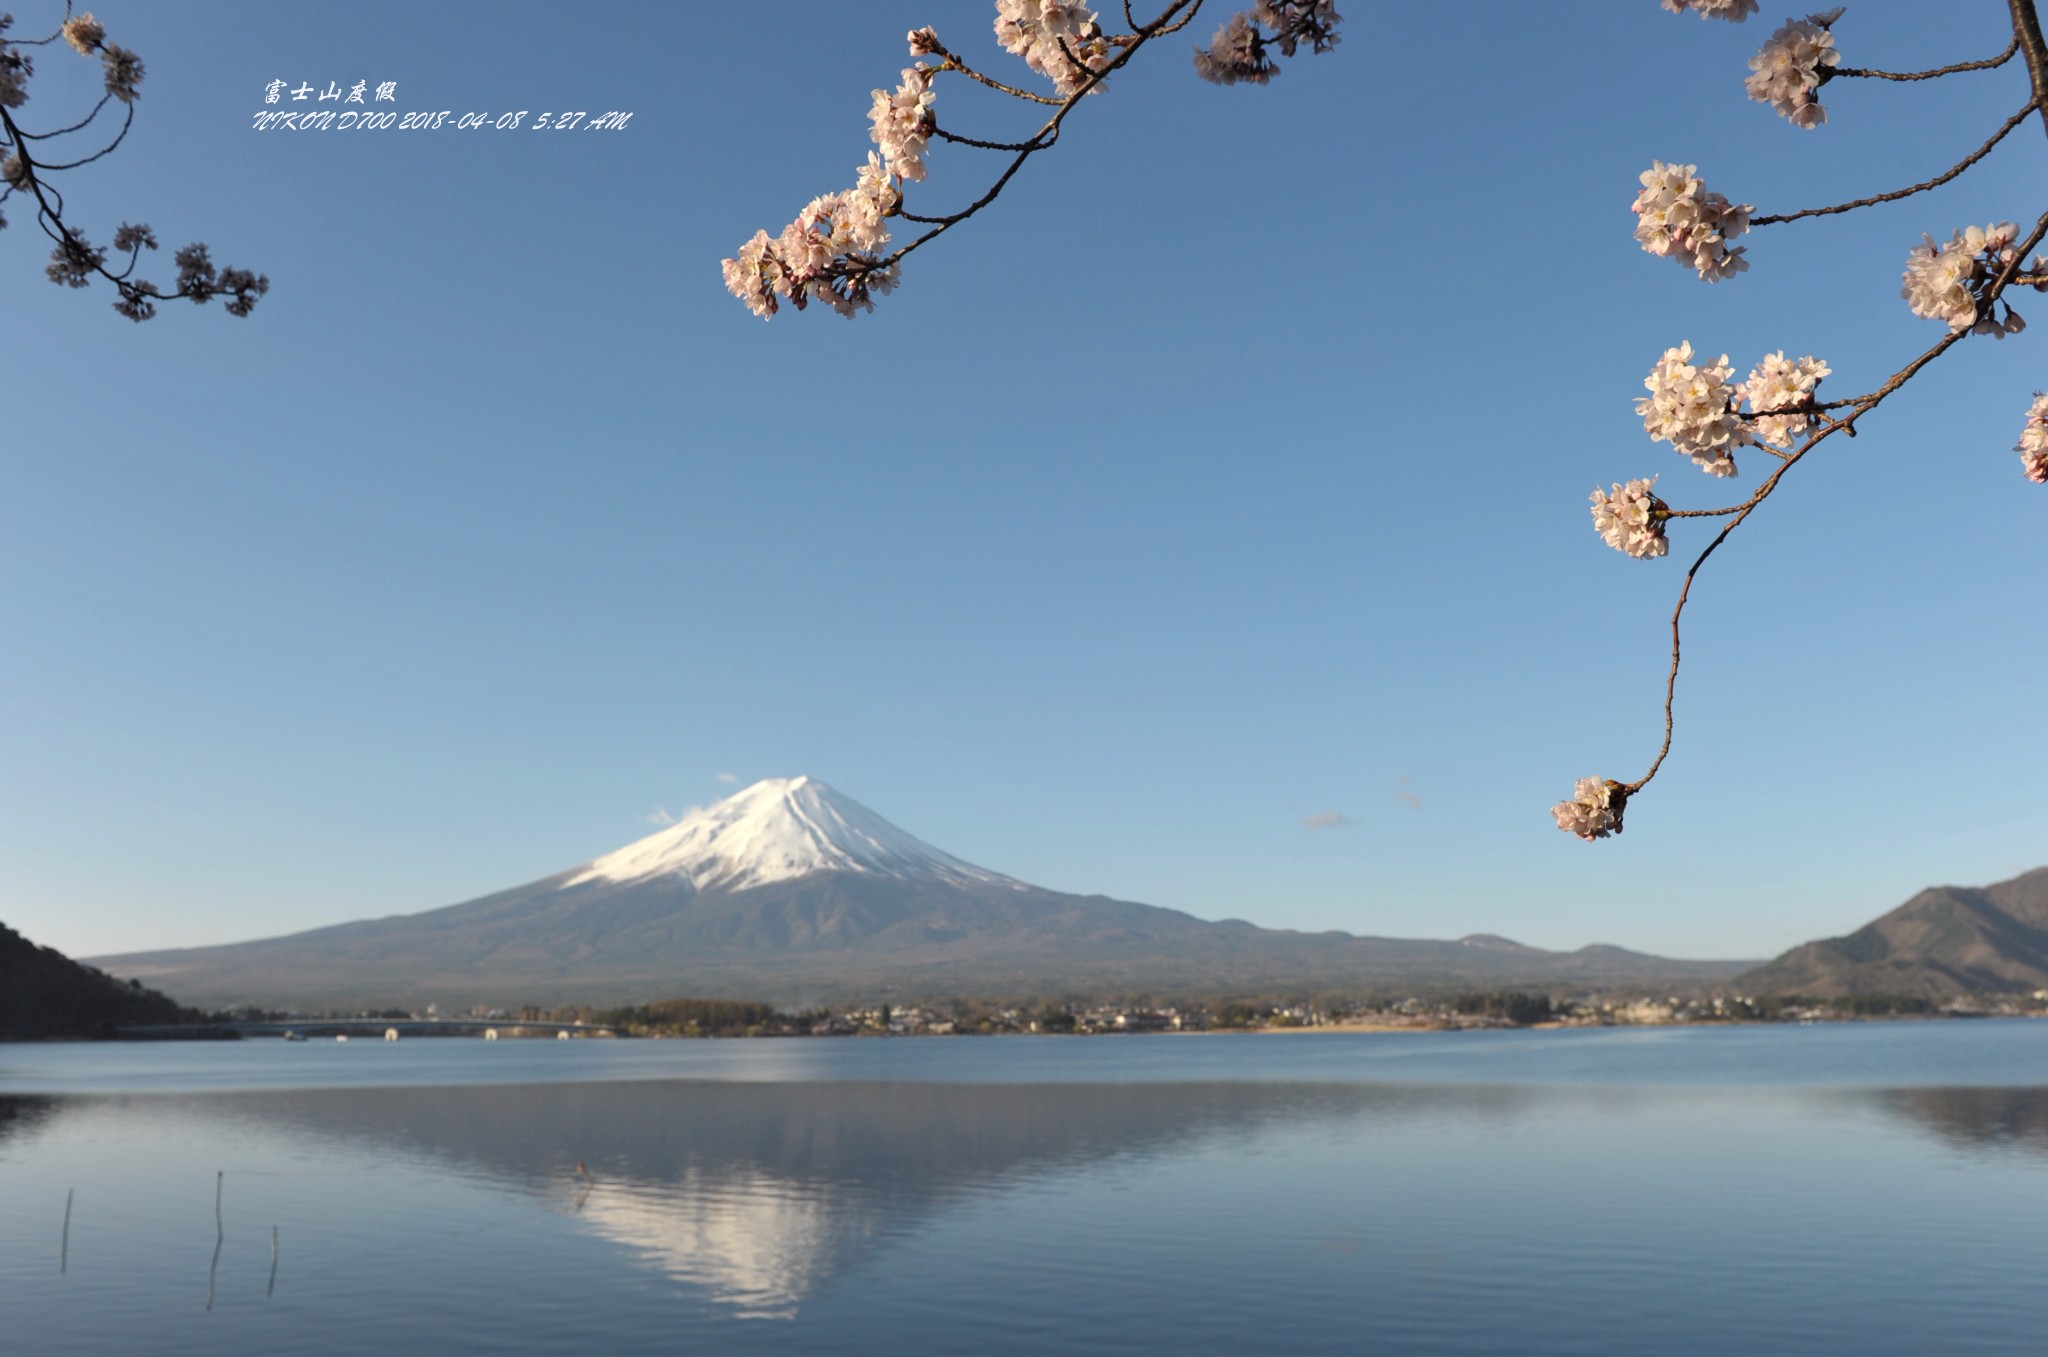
column 777, row 830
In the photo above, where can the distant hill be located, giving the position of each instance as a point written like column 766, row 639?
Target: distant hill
column 1943, row 942
column 791, row 891
column 44, row 993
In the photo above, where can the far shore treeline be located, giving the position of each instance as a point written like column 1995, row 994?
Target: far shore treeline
column 45, row 995
column 716, row 1017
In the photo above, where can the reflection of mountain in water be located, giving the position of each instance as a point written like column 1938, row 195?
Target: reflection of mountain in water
column 757, row 1243
column 761, row 1193
column 1978, row 1118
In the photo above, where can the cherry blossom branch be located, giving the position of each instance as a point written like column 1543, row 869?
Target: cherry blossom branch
column 1862, row 406
column 952, row 62
column 834, row 252
column 1990, row 63
column 76, row 261
column 1046, row 135
column 2010, row 123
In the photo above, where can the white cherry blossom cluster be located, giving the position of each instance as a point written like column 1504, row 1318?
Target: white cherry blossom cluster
column 1948, row 282
column 84, row 33
column 1631, row 519
column 1677, row 217
column 828, row 254
column 15, row 69
column 1691, row 406
column 1786, row 72
column 1734, row 11
column 121, row 69
column 1781, row 384
column 1295, row 21
column 903, row 121
column 2033, row 444
column 1239, row 51
column 1594, row 812
column 1237, row 54
column 1057, row 38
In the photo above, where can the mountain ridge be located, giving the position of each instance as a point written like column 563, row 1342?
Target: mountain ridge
column 790, row 890
column 1944, row 942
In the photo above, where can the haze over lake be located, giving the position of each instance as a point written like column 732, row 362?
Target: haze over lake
column 1870, row 1188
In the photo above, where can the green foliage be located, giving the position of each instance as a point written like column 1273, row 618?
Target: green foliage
column 1780, row 1007
column 1513, row 1005
column 44, row 993
column 1869, row 1005
column 1236, row 1014
column 693, row 1017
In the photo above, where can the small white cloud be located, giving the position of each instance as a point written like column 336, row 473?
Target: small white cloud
column 661, row 817
column 728, row 777
column 1329, row 819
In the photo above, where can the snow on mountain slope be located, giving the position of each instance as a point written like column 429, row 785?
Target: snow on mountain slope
column 777, row 830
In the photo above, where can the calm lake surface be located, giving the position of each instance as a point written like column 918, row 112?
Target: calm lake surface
column 1867, row 1188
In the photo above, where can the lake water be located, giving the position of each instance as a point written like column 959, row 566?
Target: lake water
column 1869, row 1188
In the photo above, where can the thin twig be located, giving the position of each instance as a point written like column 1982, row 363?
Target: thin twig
column 944, row 135
column 75, row 127
column 108, row 149
column 951, row 62
column 1862, row 73
column 64, row 1249
column 2014, row 121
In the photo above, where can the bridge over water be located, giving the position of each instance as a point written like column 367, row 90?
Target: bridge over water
column 370, row 1027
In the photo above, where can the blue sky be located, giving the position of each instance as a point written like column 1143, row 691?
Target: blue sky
column 1230, row 471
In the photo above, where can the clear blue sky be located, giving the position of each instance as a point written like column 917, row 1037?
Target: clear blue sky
column 1231, row 471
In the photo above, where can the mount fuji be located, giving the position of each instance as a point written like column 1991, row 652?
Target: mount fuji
column 793, row 891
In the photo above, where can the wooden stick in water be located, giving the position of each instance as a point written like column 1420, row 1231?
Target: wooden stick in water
column 220, row 1235
column 64, row 1249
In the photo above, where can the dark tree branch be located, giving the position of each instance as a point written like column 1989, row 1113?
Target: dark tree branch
column 2010, row 123
column 1859, row 73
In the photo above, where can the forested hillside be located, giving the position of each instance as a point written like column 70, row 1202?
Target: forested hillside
column 44, row 993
